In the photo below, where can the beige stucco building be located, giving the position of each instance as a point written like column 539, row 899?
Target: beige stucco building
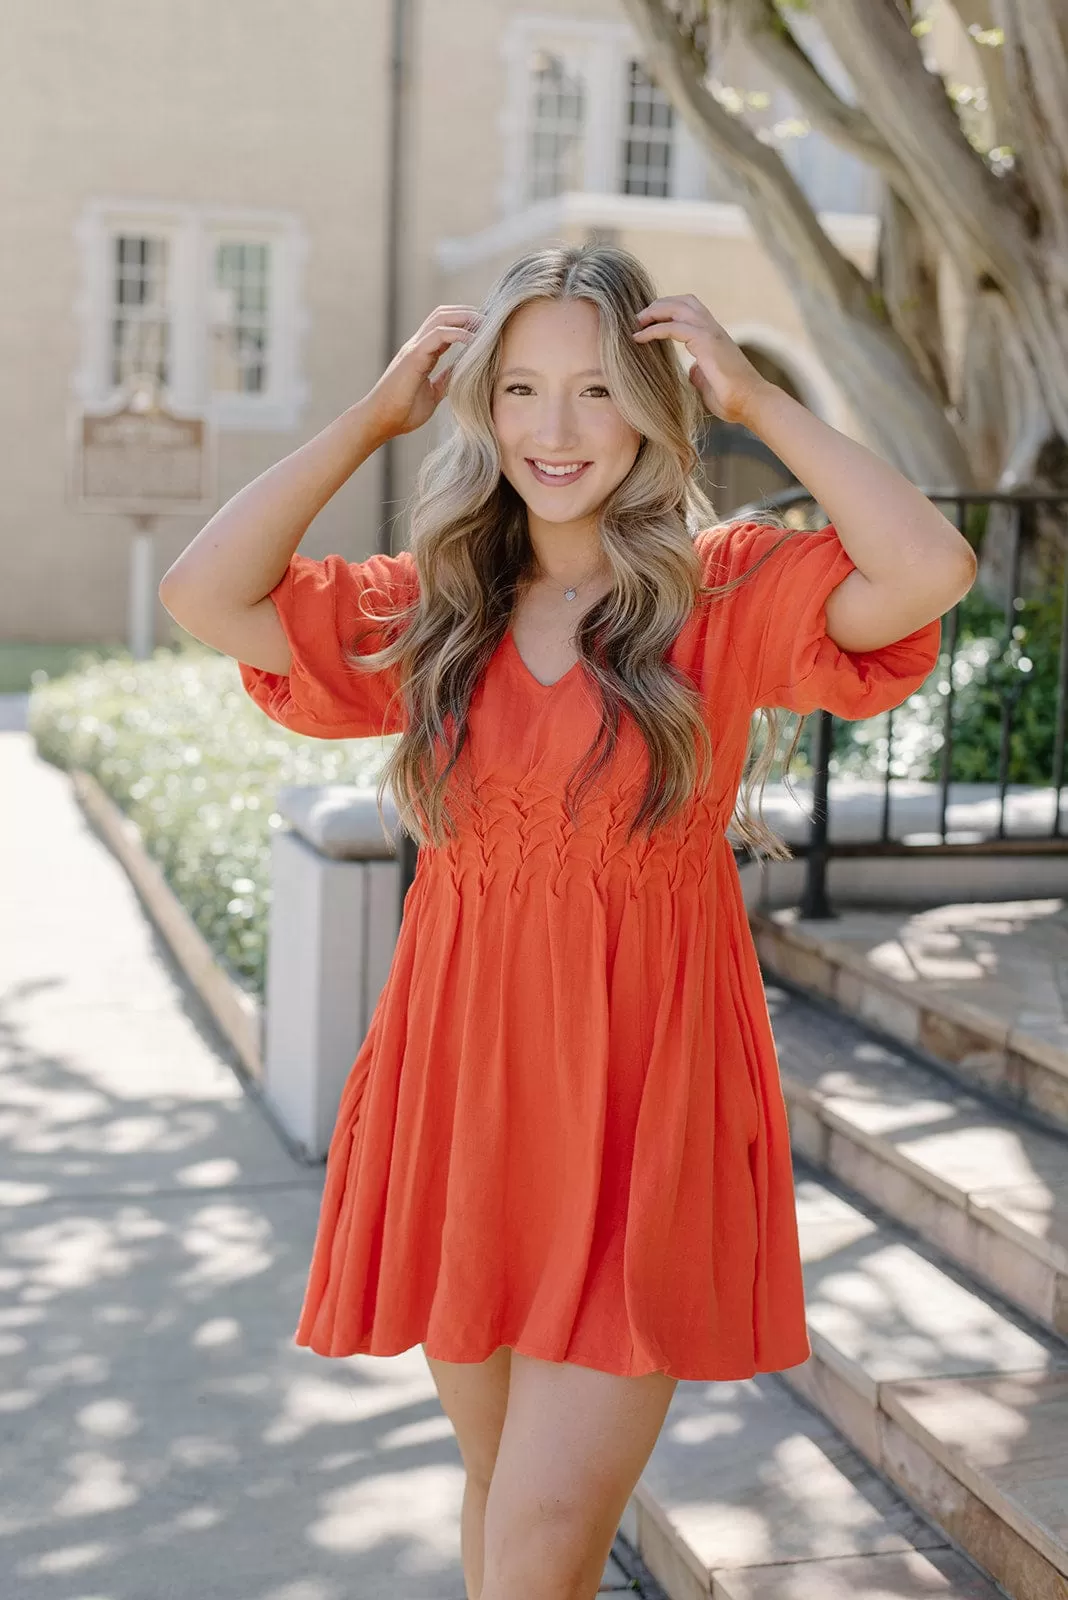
column 206, row 190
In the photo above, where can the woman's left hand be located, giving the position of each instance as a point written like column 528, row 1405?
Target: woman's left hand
column 726, row 381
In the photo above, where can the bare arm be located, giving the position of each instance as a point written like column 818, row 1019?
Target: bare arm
column 912, row 564
column 218, row 587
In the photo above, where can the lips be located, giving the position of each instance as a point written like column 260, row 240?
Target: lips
column 556, row 480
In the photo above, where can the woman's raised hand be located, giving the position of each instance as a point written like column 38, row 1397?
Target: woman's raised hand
column 722, row 375
column 406, row 396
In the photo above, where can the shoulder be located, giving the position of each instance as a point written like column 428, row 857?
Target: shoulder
column 335, row 581
column 734, row 549
column 730, row 550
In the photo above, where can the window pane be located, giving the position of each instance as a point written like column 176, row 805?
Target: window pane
column 557, row 117
column 647, row 145
column 240, row 329
column 140, row 322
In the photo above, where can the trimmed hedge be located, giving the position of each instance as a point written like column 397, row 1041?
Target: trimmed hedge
column 182, row 750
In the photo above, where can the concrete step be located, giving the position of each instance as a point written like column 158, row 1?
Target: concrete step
column 905, row 975
column 750, row 1495
column 960, row 1401
column 985, row 1185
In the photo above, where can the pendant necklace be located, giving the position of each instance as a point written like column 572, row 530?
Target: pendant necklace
column 573, row 589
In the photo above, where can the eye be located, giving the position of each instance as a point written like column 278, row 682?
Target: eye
column 602, row 391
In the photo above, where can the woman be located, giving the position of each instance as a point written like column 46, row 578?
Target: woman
column 561, row 1161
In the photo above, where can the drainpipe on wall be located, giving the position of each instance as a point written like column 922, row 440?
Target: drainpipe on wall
column 399, row 75
column 407, row 849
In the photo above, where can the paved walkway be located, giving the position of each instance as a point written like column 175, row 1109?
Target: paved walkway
column 161, row 1436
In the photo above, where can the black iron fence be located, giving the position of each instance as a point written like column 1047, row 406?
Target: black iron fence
column 1028, row 529
column 1028, row 536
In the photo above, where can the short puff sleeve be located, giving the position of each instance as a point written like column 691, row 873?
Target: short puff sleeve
column 778, row 626
column 319, row 604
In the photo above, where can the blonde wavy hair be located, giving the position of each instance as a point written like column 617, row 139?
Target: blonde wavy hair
column 473, row 554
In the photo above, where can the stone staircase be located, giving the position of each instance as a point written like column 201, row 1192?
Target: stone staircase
column 923, row 1449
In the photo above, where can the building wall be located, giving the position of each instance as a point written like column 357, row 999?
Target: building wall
column 257, row 103
column 262, row 105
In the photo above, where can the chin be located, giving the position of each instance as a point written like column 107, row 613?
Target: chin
column 577, row 513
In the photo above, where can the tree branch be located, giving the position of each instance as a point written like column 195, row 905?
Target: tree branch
column 989, row 224
column 847, row 126
column 979, row 14
column 776, row 46
column 1035, row 55
column 907, row 276
column 981, row 224
column 872, row 366
column 756, row 173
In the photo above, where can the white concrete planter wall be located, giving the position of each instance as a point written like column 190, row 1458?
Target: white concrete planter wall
column 335, row 914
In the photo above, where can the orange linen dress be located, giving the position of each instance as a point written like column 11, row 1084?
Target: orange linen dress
column 564, row 1130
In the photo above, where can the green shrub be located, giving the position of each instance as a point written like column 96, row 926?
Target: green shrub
column 996, row 662
column 19, row 663
column 182, row 750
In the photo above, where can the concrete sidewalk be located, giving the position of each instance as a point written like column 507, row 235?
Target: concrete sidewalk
column 162, row 1438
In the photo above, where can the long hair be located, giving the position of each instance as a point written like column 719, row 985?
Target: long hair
column 472, row 551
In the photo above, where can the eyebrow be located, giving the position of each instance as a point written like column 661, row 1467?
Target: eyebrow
column 529, row 372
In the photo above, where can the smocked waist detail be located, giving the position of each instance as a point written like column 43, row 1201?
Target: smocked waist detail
column 513, row 836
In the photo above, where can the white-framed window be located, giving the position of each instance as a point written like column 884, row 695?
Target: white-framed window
column 555, row 139
column 580, row 112
column 239, row 331
column 206, row 299
column 142, row 316
column 648, row 138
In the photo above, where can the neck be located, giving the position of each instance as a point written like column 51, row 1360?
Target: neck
column 567, row 552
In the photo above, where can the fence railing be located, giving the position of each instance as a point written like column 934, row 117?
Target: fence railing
column 1017, row 517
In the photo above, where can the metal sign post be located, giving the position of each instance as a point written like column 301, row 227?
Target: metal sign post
column 143, row 460
column 141, row 614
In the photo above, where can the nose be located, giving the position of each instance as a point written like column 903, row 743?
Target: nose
column 556, row 430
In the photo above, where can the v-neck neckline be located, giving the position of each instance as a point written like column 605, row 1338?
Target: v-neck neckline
column 525, row 670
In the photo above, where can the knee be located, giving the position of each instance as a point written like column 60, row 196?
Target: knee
column 544, row 1555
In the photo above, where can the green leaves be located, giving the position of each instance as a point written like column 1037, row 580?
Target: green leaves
column 996, row 663
column 182, row 750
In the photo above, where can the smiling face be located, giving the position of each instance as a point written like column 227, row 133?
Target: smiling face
column 552, row 408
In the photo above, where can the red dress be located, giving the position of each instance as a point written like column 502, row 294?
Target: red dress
column 564, row 1129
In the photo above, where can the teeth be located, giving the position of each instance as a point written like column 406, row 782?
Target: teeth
column 559, row 472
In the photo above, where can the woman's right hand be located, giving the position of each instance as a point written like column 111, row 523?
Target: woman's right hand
column 405, row 396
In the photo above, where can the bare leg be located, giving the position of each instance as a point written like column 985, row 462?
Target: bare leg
column 474, row 1396
column 573, row 1446
column 472, row 1536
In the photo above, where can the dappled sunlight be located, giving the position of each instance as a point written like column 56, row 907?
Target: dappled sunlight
column 417, row 1506
column 311, row 1401
column 1007, row 958
column 883, row 1304
column 752, row 1475
column 155, row 1248
column 230, row 1241
column 66, row 1559
column 884, row 1093
column 98, row 1484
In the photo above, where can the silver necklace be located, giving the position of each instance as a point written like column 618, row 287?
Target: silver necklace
column 573, row 589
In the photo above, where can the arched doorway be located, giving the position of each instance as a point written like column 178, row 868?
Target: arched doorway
column 738, row 468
